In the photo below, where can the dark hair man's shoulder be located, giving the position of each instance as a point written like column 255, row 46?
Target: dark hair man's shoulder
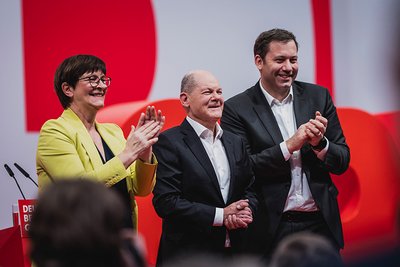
column 307, row 85
column 242, row 98
column 310, row 88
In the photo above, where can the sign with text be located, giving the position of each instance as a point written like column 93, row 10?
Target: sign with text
column 26, row 208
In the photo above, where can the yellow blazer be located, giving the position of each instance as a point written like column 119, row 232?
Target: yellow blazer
column 66, row 150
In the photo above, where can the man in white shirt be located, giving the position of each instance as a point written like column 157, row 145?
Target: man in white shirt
column 294, row 139
column 203, row 190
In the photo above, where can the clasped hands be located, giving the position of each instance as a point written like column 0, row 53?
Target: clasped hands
column 238, row 215
column 310, row 132
column 143, row 136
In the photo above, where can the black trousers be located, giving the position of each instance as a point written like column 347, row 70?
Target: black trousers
column 296, row 221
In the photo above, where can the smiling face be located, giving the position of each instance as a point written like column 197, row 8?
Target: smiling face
column 204, row 102
column 279, row 68
column 87, row 95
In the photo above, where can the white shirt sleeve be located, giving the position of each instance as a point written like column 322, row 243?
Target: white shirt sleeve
column 285, row 151
column 219, row 217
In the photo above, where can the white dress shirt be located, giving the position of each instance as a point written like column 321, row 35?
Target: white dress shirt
column 299, row 197
column 217, row 155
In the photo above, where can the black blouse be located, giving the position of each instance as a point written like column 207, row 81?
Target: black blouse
column 120, row 188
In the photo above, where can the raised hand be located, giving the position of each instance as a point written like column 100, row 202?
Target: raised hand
column 150, row 116
column 316, row 128
column 299, row 138
column 310, row 132
column 139, row 142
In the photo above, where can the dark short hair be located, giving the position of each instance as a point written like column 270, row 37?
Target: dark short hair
column 261, row 45
column 77, row 222
column 71, row 69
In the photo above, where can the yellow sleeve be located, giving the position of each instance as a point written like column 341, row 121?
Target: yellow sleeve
column 143, row 176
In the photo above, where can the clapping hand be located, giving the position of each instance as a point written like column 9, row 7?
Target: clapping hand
column 149, row 119
column 316, row 128
column 143, row 136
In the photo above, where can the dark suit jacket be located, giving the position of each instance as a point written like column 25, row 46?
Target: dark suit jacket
column 187, row 192
column 249, row 115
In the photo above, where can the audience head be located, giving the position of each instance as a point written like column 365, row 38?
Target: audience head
column 77, row 223
column 305, row 249
column 206, row 260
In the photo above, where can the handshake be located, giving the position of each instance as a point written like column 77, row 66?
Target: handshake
column 238, row 215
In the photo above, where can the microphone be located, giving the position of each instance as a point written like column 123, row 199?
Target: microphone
column 25, row 173
column 11, row 173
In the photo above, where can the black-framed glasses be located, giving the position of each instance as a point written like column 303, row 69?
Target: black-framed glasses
column 94, row 80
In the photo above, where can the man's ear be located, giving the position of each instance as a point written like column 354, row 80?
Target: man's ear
column 67, row 89
column 183, row 97
column 258, row 61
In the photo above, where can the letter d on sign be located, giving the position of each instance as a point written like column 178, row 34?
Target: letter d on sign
column 26, row 208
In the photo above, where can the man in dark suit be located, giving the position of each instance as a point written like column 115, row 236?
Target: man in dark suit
column 203, row 188
column 294, row 138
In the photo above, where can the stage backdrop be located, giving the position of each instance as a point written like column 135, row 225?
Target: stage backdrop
column 347, row 46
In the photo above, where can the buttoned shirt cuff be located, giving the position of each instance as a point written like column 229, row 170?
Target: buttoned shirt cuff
column 285, row 151
column 219, row 217
column 322, row 154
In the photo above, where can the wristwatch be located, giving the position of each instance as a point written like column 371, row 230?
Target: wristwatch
column 321, row 145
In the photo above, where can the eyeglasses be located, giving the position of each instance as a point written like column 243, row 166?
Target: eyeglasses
column 95, row 80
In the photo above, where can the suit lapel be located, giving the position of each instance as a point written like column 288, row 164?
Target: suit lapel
column 302, row 110
column 193, row 142
column 83, row 136
column 265, row 114
column 230, row 153
column 303, row 113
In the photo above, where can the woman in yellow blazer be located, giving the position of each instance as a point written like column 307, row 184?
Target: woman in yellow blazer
column 75, row 145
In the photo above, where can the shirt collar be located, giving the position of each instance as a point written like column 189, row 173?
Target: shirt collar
column 204, row 132
column 273, row 101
